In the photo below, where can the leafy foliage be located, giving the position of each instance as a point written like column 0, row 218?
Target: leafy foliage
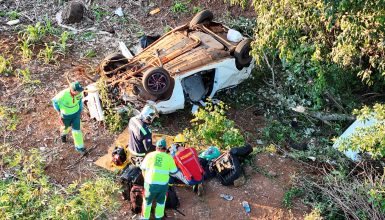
column 314, row 47
column 368, row 139
column 114, row 119
column 26, row 193
column 210, row 126
column 34, row 34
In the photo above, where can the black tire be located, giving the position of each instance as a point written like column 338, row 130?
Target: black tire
column 111, row 62
column 242, row 53
column 205, row 16
column 156, row 81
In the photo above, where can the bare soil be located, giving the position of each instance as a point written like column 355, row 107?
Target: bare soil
column 38, row 126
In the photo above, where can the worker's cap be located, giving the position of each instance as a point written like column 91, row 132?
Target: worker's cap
column 76, row 86
column 161, row 143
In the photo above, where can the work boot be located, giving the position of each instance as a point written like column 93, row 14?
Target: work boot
column 82, row 151
column 63, row 138
column 200, row 189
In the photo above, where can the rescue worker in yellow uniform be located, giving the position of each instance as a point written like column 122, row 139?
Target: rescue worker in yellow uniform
column 68, row 104
column 156, row 168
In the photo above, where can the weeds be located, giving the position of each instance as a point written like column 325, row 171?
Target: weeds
column 63, row 47
column 26, row 53
column 6, row 66
column 34, row 34
column 244, row 25
column 47, row 55
column 290, row 195
column 27, row 192
column 13, row 15
column 8, row 119
column 99, row 13
column 88, row 36
column 197, row 9
column 90, row 54
column 179, row 7
column 25, row 77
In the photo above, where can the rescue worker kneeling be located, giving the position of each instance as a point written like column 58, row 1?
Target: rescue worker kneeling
column 156, row 168
column 190, row 172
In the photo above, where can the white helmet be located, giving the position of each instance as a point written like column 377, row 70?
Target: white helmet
column 148, row 113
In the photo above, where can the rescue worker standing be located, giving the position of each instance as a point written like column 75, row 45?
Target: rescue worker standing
column 68, row 104
column 140, row 135
column 156, row 168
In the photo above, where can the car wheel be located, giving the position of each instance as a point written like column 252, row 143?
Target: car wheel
column 111, row 62
column 242, row 53
column 156, row 81
column 205, row 16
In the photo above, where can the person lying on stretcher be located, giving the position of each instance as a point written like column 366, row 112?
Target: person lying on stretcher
column 190, row 172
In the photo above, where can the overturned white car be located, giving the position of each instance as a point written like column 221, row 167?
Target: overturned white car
column 189, row 63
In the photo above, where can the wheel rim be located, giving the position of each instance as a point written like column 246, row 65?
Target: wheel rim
column 157, row 82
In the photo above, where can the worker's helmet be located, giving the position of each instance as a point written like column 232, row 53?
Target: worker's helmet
column 149, row 113
column 180, row 139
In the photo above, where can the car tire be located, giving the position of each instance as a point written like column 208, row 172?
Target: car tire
column 156, row 81
column 205, row 16
column 242, row 53
column 111, row 62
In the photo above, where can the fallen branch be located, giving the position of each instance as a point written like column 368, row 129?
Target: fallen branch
column 78, row 160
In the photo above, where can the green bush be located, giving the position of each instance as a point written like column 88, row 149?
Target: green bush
column 210, row 126
column 115, row 120
column 290, row 195
column 8, row 119
column 27, row 193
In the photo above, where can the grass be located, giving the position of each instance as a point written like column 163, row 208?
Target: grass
column 63, row 47
column 13, row 15
column 99, row 13
column 87, row 36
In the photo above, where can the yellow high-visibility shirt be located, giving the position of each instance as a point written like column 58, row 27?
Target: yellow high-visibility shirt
column 157, row 167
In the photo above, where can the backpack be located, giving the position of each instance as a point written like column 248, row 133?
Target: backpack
column 136, row 198
column 187, row 161
column 119, row 156
column 227, row 167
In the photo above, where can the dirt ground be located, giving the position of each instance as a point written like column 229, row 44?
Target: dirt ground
column 38, row 126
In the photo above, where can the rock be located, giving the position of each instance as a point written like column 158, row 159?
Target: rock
column 272, row 173
column 240, row 181
column 259, row 142
column 73, row 12
column 13, row 22
column 42, row 148
column 119, row 12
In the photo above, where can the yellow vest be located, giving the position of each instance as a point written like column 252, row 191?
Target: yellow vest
column 157, row 167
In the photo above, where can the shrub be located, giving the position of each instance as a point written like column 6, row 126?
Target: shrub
column 115, row 120
column 27, row 193
column 8, row 119
column 290, row 195
column 34, row 34
column 210, row 126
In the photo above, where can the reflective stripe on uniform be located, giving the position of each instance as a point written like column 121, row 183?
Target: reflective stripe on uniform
column 133, row 153
column 141, row 128
column 157, row 166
